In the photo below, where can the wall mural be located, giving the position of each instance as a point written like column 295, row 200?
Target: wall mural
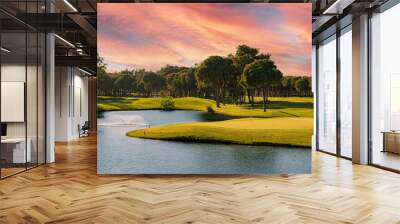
column 206, row 88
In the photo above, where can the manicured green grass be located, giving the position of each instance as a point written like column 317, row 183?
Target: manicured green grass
column 288, row 121
column 277, row 106
column 250, row 131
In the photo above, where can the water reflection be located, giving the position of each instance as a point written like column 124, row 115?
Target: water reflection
column 119, row 154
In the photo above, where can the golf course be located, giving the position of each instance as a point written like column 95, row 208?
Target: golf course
column 234, row 113
column 235, row 106
column 286, row 122
column 243, row 99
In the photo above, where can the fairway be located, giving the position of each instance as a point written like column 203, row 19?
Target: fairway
column 276, row 107
column 287, row 121
column 249, row 131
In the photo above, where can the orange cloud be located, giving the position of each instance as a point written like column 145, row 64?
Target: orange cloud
column 152, row 35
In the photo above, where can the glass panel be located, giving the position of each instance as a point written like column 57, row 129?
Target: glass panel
column 2, row 161
column 41, row 99
column 385, row 84
column 23, row 90
column 327, row 96
column 32, row 88
column 346, row 93
column 31, row 99
column 13, row 80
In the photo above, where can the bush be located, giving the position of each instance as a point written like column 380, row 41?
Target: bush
column 210, row 109
column 164, row 93
column 168, row 103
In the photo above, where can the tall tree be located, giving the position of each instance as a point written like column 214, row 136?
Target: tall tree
column 287, row 84
column 245, row 55
column 189, row 81
column 101, row 65
column 214, row 72
column 125, row 83
column 104, row 81
column 175, row 84
column 261, row 75
column 301, row 86
column 244, row 50
column 169, row 69
column 104, row 84
column 153, row 83
column 185, row 81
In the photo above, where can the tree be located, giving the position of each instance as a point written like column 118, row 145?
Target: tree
column 287, row 84
column 104, row 84
column 104, row 81
column 309, row 80
column 139, row 74
column 261, row 75
column 189, row 81
column 153, row 82
column 302, row 85
column 125, row 83
column 244, row 50
column 174, row 84
column 223, row 83
column 101, row 65
column 245, row 55
column 169, row 69
column 235, row 90
column 214, row 72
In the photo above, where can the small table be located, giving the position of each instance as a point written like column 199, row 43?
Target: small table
column 19, row 155
column 391, row 141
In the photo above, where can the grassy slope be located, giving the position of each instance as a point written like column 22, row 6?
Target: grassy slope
column 291, row 123
column 277, row 107
column 252, row 131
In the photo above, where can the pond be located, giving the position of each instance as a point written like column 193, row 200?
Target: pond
column 119, row 154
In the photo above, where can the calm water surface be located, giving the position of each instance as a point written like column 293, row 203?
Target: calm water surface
column 119, row 154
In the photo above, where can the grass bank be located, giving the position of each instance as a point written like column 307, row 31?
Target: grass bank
column 277, row 106
column 249, row 131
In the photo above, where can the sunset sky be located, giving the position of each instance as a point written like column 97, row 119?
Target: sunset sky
column 149, row 35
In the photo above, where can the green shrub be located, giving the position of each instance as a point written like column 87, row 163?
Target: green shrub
column 210, row 109
column 168, row 103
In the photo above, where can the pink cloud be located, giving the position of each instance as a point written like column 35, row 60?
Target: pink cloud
column 152, row 35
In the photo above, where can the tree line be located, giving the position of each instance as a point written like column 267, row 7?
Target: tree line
column 236, row 78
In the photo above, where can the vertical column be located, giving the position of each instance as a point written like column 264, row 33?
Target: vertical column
column 50, row 98
column 50, row 92
column 314, row 90
column 338, row 76
column 92, row 103
column 63, row 113
column 360, row 89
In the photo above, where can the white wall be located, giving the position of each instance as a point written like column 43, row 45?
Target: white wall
column 13, row 101
column 79, row 103
column 62, row 82
column 16, row 73
column 71, row 102
column 11, row 73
